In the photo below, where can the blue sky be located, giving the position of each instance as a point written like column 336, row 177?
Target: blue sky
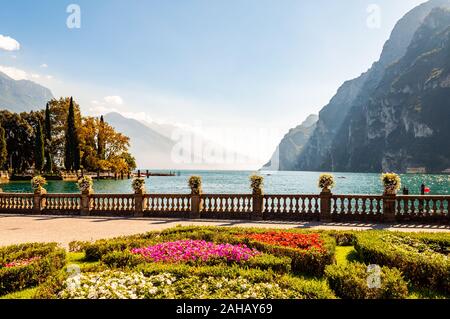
column 227, row 63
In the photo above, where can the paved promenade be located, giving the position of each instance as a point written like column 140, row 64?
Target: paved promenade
column 16, row 229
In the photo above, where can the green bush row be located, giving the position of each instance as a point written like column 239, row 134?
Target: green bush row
column 18, row 278
column 350, row 281
column 125, row 259
column 421, row 268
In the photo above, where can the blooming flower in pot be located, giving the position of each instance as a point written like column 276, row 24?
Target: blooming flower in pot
column 391, row 183
column 85, row 185
column 195, row 183
column 256, row 184
column 138, row 185
column 37, row 184
column 326, row 182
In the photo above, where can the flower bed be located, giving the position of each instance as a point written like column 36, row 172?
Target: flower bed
column 113, row 284
column 293, row 240
column 28, row 265
column 310, row 252
column 195, row 250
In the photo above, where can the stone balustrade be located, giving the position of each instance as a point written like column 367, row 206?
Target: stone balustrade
column 317, row 207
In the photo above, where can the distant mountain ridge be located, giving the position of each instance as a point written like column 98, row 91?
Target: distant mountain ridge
column 22, row 95
column 341, row 140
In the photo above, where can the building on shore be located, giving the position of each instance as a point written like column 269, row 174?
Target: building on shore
column 416, row 170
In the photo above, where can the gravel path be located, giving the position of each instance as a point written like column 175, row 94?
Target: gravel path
column 16, row 229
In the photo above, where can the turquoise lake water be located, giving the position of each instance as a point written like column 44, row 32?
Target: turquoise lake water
column 236, row 182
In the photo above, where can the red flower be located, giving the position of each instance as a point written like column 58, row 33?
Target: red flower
column 285, row 239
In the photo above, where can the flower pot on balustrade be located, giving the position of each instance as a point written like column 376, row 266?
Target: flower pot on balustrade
column 85, row 204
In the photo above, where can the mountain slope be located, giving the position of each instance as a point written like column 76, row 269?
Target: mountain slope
column 291, row 146
column 405, row 122
column 20, row 96
column 354, row 95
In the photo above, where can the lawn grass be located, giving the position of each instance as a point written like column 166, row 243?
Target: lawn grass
column 23, row 294
column 345, row 254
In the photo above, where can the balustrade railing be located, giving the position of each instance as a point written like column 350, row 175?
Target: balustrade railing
column 61, row 203
column 422, row 208
column 292, row 206
column 357, row 207
column 154, row 204
column 229, row 206
column 324, row 206
column 15, row 202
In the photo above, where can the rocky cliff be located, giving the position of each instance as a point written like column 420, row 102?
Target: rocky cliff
column 336, row 142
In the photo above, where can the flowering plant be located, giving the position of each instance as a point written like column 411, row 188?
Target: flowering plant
column 38, row 183
column 85, row 184
column 138, row 185
column 195, row 183
column 195, row 250
column 391, row 182
column 20, row 262
column 326, row 181
column 111, row 284
column 256, row 184
column 286, row 239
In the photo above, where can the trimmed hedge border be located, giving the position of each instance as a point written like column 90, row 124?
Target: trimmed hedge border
column 18, row 278
column 422, row 270
column 350, row 282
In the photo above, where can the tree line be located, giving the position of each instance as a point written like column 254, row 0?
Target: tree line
column 60, row 138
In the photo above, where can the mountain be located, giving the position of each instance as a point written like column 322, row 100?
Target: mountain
column 166, row 146
column 150, row 148
column 286, row 155
column 327, row 148
column 23, row 95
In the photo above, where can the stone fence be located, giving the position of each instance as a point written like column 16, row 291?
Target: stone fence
column 325, row 206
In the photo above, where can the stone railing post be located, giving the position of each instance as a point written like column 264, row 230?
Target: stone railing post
column 325, row 206
column 37, row 203
column 196, row 206
column 85, row 204
column 258, row 211
column 389, row 207
column 139, row 205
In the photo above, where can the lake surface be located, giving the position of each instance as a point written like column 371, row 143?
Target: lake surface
column 236, row 182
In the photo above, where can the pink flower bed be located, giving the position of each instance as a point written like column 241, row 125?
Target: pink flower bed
column 21, row 262
column 195, row 250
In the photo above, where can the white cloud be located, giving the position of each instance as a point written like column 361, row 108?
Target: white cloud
column 14, row 73
column 114, row 99
column 44, row 65
column 8, row 43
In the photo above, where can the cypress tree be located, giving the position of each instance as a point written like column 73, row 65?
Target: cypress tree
column 72, row 152
column 39, row 148
column 100, row 140
column 3, row 149
column 48, row 141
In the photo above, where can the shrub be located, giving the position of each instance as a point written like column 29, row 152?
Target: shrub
column 28, row 265
column 350, row 281
column 420, row 263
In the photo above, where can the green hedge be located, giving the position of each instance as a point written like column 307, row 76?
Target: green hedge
column 350, row 282
column 20, row 277
column 125, row 259
column 418, row 256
